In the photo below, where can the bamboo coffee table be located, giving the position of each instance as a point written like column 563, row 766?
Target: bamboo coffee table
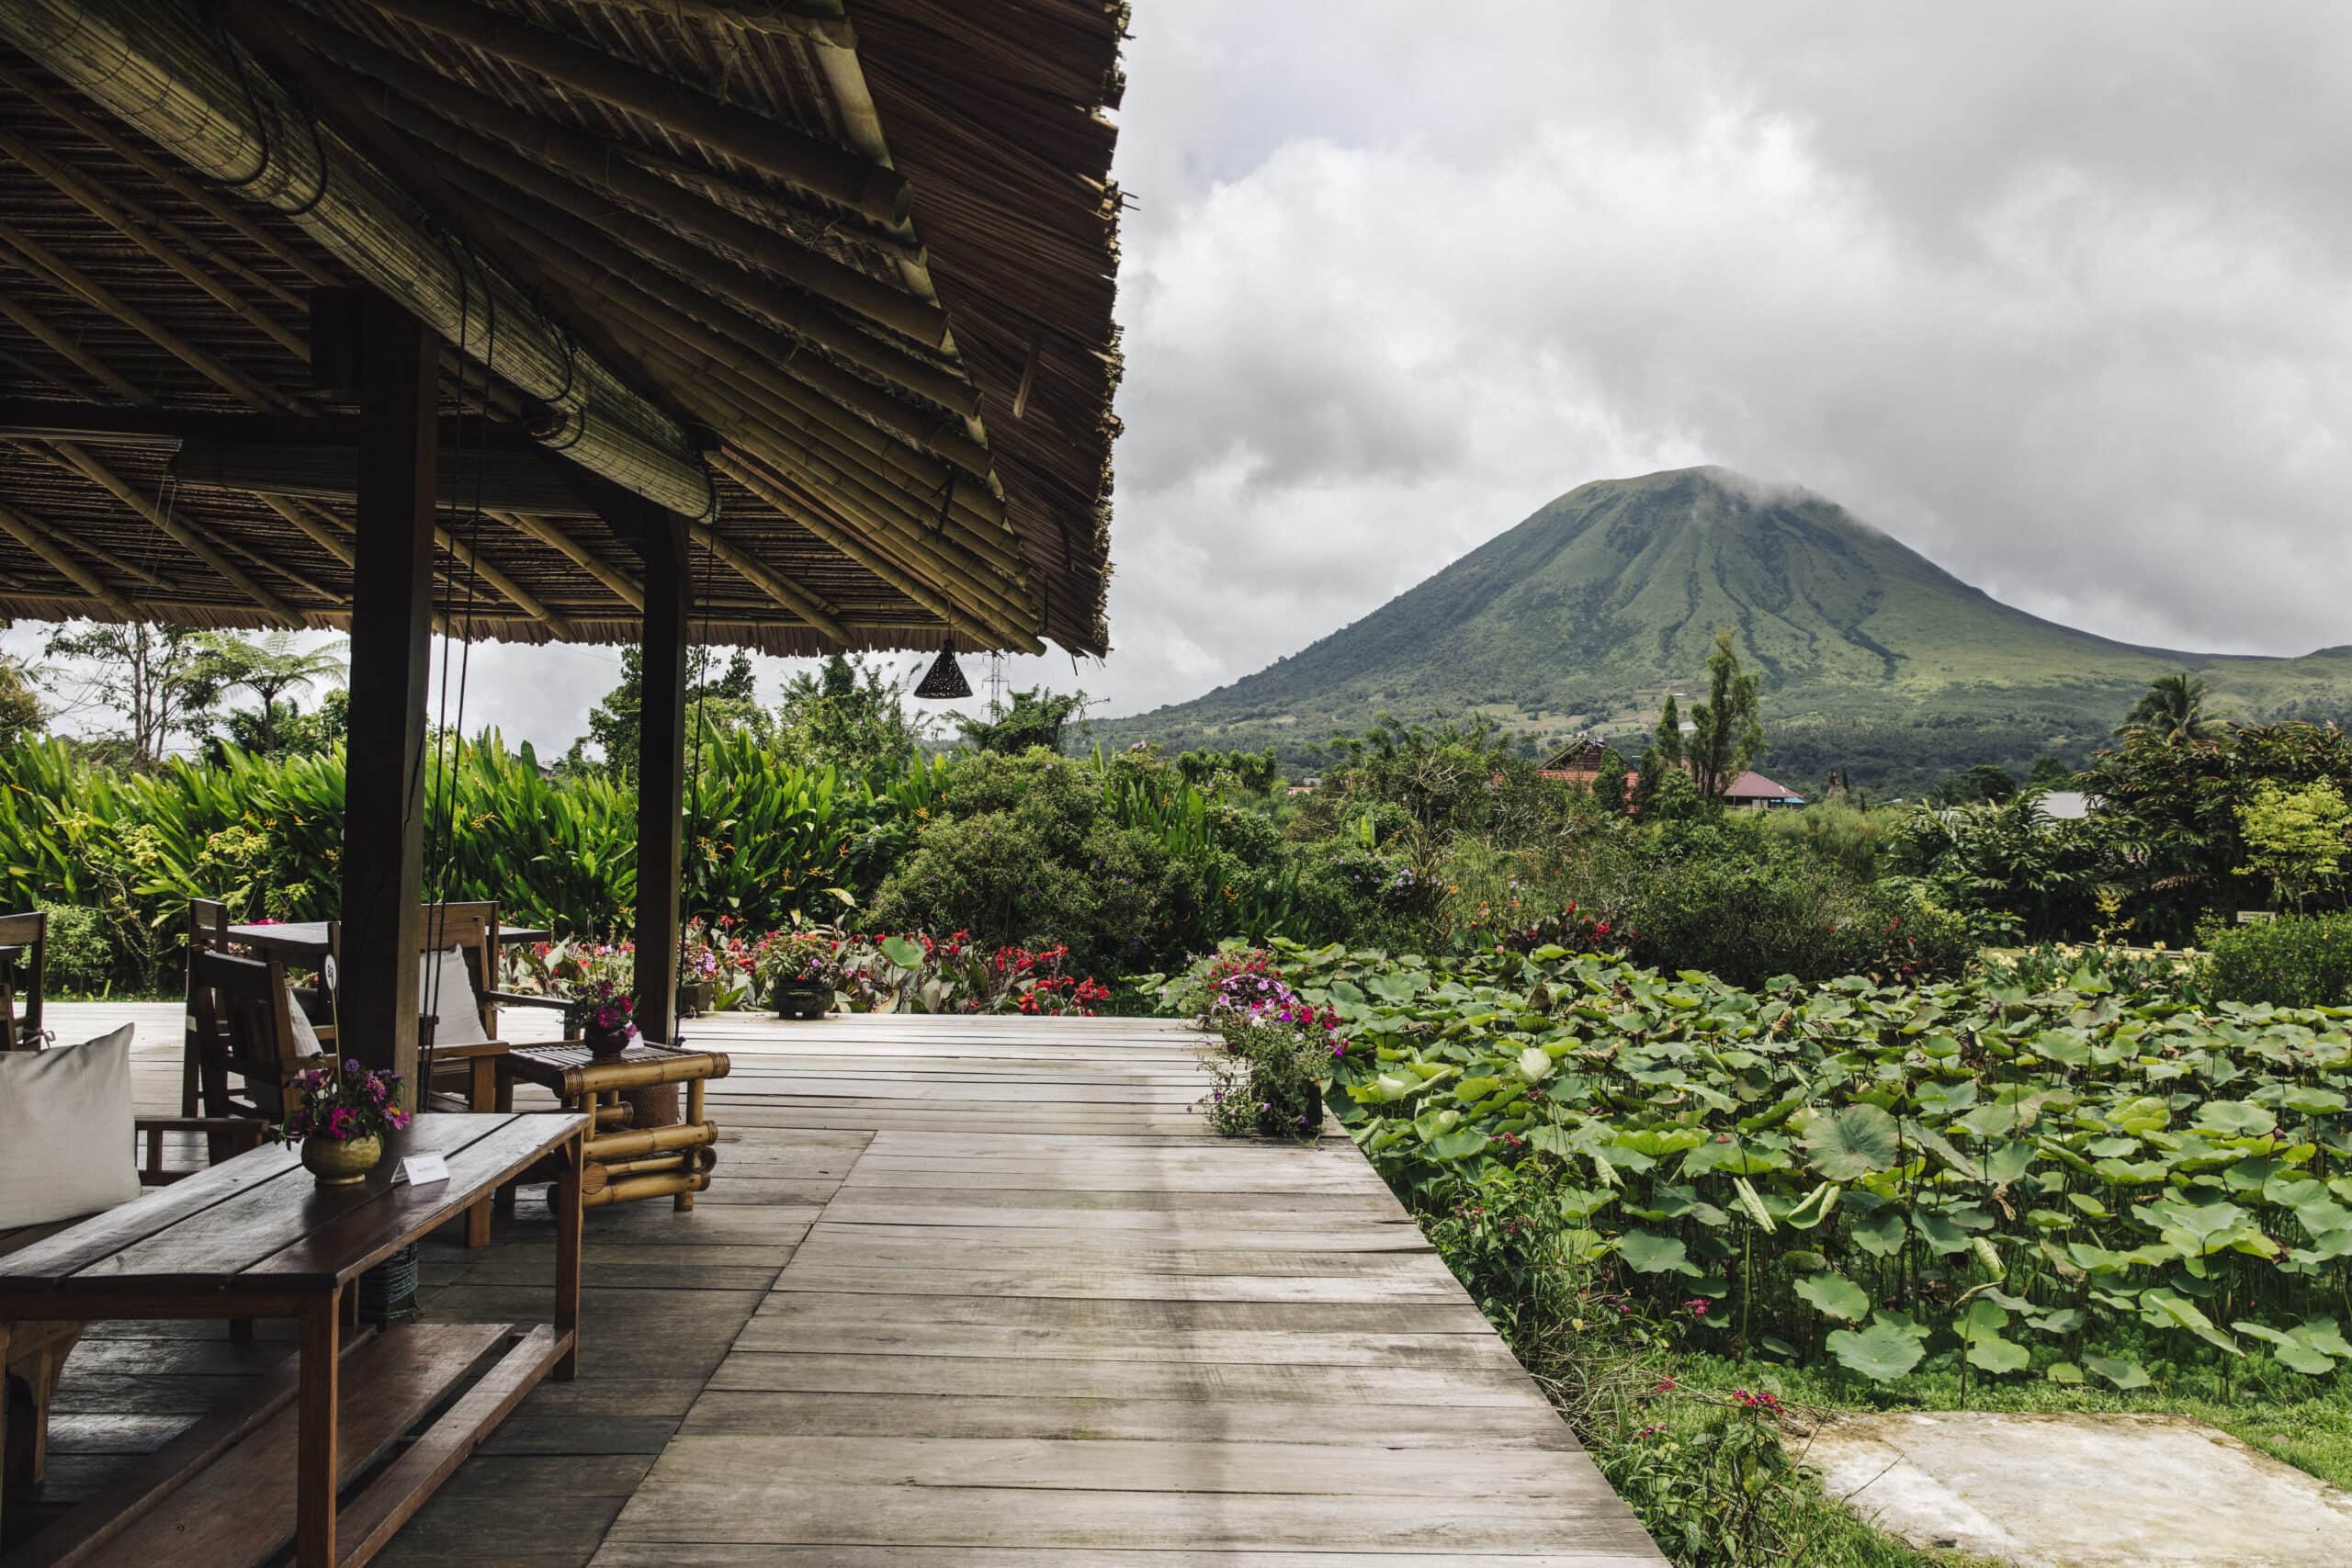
column 625, row 1162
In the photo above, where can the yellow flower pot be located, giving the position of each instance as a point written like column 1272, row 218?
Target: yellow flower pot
column 343, row 1163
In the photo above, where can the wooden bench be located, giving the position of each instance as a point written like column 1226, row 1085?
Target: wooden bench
column 256, row 1236
column 36, row 1351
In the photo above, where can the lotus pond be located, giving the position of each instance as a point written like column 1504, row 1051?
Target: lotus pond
column 1973, row 1180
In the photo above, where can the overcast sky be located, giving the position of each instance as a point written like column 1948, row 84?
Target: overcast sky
column 2056, row 294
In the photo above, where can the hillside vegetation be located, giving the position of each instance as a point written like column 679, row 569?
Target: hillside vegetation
column 1876, row 660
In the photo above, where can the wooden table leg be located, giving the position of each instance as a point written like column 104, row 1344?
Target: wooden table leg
column 314, row 1461
column 4, row 1428
column 684, row 1201
column 481, row 1095
column 567, row 1255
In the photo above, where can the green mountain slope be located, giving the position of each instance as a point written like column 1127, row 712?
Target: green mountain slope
column 1875, row 659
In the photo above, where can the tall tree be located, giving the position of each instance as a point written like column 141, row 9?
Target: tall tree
column 1668, row 742
column 21, row 713
column 1609, row 784
column 161, row 680
column 847, row 714
column 728, row 699
column 2173, row 708
column 1034, row 717
column 1985, row 781
column 1725, row 734
column 269, row 669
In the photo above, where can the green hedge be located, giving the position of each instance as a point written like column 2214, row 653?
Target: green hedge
column 2297, row 961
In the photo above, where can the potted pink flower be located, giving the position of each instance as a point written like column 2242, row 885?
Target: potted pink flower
column 604, row 1016
column 341, row 1119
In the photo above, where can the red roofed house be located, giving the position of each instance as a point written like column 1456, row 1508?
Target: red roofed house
column 1755, row 789
column 1578, row 763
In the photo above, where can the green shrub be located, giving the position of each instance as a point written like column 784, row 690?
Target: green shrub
column 2295, row 961
column 80, row 956
column 2052, row 967
column 1750, row 920
column 1026, row 850
column 1845, row 835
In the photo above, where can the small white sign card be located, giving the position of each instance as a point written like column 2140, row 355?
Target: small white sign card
column 422, row 1170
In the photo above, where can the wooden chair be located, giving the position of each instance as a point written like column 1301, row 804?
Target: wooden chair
column 457, row 1066
column 256, row 1011
column 29, row 934
column 208, row 931
column 464, row 1060
column 36, row 1350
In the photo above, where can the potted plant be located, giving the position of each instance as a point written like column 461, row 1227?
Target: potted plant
column 697, row 972
column 341, row 1120
column 604, row 1016
column 801, row 969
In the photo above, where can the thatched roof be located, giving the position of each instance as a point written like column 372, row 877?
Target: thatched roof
column 835, row 283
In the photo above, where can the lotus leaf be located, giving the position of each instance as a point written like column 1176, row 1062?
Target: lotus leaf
column 1851, row 1143
column 1648, row 1253
column 2236, row 1118
column 2124, row 1374
column 1881, row 1352
column 1836, row 1295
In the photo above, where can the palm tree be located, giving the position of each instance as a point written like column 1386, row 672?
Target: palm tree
column 270, row 668
column 2173, row 708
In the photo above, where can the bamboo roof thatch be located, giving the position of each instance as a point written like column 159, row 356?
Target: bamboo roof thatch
column 832, row 280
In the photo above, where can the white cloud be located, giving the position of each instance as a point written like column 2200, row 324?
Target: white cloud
column 2056, row 294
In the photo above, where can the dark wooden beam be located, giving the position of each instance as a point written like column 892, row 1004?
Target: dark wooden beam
column 384, row 800
column 104, row 424
column 512, row 480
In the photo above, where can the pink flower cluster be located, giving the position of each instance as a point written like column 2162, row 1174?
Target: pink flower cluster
column 345, row 1104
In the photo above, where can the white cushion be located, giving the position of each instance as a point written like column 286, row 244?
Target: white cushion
column 67, row 1144
column 306, row 1039
column 452, row 1002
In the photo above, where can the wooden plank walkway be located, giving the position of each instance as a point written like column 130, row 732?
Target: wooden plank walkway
column 964, row 1292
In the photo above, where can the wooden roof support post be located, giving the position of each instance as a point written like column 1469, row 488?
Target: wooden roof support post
column 661, row 778
column 384, row 797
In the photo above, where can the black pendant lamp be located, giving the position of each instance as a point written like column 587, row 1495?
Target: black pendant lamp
column 944, row 679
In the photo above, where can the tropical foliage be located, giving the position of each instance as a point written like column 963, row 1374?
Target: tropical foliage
column 2186, row 829
column 766, row 839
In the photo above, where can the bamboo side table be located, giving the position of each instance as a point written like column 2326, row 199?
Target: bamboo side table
column 624, row 1162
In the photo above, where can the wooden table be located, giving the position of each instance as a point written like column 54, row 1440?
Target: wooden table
column 627, row 1162
column 305, row 942
column 256, row 1236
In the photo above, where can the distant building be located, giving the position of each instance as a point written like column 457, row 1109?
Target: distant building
column 1755, row 789
column 1304, row 787
column 1577, row 764
column 2066, row 805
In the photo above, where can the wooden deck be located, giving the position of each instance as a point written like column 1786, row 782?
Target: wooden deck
column 964, row 1291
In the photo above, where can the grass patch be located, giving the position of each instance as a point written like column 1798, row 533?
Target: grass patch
column 2302, row 1421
